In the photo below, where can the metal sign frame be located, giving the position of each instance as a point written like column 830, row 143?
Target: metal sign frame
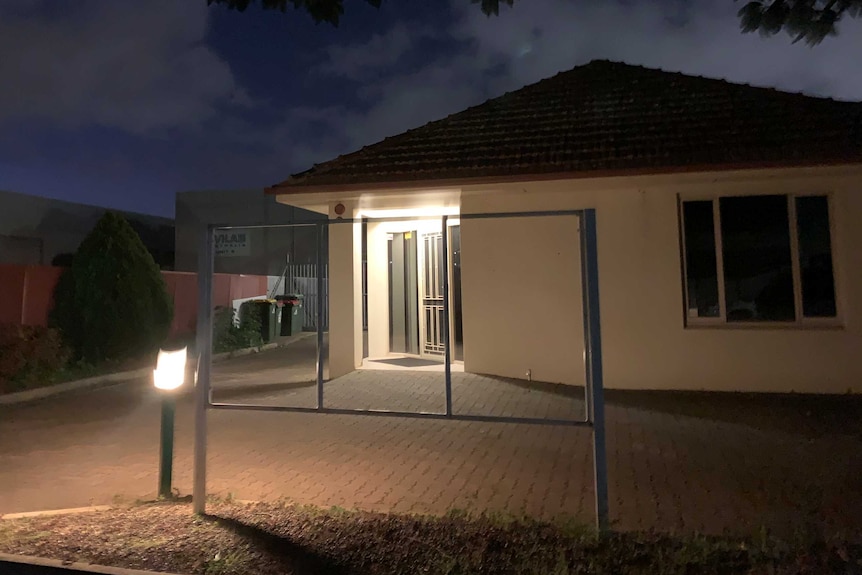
column 594, row 418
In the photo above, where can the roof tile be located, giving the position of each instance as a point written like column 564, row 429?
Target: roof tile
column 606, row 116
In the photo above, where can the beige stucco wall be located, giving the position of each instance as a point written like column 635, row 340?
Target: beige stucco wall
column 646, row 344
column 345, row 296
column 645, row 341
column 521, row 298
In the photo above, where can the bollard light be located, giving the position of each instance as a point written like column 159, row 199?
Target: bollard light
column 168, row 377
column 170, row 369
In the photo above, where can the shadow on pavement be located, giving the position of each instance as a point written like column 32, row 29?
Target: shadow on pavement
column 251, row 389
column 290, row 557
column 123, row 398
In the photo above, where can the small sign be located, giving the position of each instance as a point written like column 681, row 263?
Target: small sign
column 231, row 243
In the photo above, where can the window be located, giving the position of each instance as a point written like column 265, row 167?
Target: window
column 758, row 259
column 700, row 259
column 815, row 257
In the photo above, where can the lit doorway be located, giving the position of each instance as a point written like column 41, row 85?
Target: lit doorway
column 416, row 295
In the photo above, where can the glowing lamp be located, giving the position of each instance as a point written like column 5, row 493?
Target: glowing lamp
column 169, row 375
column 170, row 369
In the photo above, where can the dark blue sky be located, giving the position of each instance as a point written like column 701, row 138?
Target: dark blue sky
column 123, row 103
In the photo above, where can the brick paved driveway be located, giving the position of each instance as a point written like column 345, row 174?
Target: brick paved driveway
column 666, row 471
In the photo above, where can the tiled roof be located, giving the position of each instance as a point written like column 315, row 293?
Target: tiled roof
column 606, row 117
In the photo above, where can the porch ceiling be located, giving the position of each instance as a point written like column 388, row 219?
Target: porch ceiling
column 376, row 199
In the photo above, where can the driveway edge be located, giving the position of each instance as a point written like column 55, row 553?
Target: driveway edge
column 216, row 357
column 73, row 566
column 122, row 376
column 53, row 512
column 65, row 387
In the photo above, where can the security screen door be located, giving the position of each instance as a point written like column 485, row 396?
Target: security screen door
column 416, row 294
column 431, row 324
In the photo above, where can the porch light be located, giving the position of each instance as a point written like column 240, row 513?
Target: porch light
column 168, row 377
column 411, row 212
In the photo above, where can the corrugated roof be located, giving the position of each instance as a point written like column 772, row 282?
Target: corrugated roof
column 606, row 117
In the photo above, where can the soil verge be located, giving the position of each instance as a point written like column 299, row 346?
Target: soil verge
column 284, row 538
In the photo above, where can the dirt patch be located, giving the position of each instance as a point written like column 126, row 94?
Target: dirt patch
column 281, row 538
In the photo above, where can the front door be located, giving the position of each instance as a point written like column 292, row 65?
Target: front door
column 403, row 294
column 431, row 341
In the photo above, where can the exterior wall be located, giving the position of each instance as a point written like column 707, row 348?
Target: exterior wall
column 227, row 288
column 521, row 297
column 35, row 230
column 345, row 296
column 28, row 293
column 646, row 344
column 268, row 249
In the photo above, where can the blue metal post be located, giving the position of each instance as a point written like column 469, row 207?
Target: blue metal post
column 593, row 346
column 585, row 311
column 166, row 451
column 320, row 304
column 447, row 348
column 204, row 351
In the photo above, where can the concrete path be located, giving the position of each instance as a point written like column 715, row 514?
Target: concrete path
column 666, row 472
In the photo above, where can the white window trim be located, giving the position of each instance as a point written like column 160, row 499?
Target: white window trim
column 800, row 321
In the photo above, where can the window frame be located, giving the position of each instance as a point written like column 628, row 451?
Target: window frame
column 800, row 321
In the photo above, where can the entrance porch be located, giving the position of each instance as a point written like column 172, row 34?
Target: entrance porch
column 403, row 290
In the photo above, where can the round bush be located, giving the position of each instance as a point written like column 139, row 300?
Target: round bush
column 112, row 302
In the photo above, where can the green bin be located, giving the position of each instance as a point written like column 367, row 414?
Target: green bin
column 292, row 314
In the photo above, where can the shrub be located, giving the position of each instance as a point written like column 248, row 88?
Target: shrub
column 223, row 329
column 251, row 322
column 112, row 302
column 228, row 336
column 29, row 356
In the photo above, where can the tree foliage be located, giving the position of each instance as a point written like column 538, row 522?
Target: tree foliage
column 809, row 20
column 112, row 302
column 330, row 11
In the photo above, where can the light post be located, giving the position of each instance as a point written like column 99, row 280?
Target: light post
column 168, row 377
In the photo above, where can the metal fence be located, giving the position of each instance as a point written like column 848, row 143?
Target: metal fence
column 302, row 279
column 594, row 416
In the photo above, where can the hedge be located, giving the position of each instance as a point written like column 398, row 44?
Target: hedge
column 30, row 356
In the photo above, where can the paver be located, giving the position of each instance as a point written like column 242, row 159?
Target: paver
column 666, row 472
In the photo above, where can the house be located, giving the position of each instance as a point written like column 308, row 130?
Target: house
column 727, row 223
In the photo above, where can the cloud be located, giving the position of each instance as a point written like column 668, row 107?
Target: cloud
column 380, row 52
column 144, row 67
column 141, row 67
column 538, row 38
